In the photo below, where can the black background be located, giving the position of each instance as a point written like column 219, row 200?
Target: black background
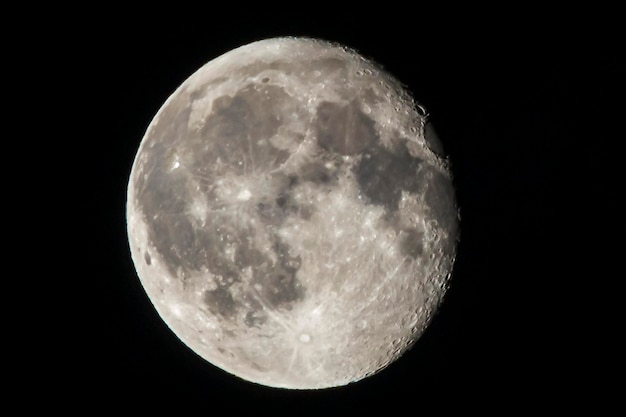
column 520, row 105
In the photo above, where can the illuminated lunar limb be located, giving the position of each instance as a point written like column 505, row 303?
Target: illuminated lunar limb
column 291, row 215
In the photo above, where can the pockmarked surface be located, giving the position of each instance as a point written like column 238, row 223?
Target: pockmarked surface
column 291, row 214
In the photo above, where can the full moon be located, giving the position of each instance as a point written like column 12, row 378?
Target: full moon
column 291, row 214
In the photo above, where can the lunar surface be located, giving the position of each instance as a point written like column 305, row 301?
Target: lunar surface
column 291, row 214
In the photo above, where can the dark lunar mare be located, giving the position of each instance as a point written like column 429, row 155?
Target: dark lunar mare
column 383, row 175
column 344, row 129
column 230, row 142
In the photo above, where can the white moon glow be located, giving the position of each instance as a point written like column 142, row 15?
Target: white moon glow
column 290, row 215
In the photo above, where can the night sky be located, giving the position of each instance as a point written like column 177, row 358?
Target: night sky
column 518, row 114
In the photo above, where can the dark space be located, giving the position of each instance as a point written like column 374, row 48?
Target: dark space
column 521, row 117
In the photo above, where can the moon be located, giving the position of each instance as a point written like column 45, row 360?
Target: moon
column 291, row 214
